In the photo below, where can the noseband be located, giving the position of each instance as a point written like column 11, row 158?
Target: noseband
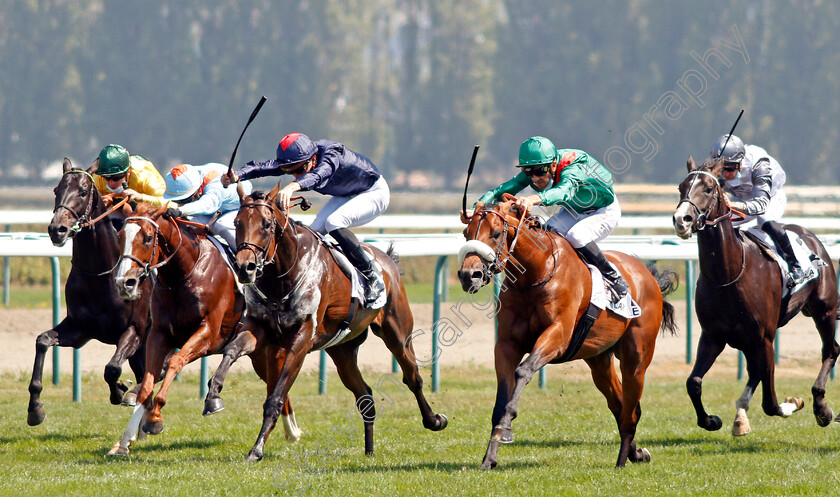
column 501, row 256
column 703, row 217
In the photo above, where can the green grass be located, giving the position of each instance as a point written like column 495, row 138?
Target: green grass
column 566, row 444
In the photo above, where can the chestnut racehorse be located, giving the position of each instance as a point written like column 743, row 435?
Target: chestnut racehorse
column 546, row 293
column 195, row 303
column 94, row 307
column 298, row 300
column 740, row 300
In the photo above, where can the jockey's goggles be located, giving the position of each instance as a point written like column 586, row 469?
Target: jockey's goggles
column 295, row 168
column 539, row 170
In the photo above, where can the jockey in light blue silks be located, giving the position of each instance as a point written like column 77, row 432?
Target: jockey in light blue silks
column 198, row 193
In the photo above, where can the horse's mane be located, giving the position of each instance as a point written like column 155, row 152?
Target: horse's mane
column 708, row 164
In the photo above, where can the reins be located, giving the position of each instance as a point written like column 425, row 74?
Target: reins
column 713, row 223
column 148, row 267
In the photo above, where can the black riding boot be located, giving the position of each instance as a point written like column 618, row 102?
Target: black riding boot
column 593, row 255
column 362, row 261
column 778, row 234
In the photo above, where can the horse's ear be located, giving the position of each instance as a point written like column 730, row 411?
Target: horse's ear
column 717, row 168
column 67, row 165
column 273, row 193
column 93, row 167
column 690, row 165
column 127, row 210
column 159, row 212
column 240, row 191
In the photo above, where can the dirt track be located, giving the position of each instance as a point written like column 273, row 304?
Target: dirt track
column 800, row 346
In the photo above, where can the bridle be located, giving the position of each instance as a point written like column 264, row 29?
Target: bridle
column 261, row 253
column 705, row 221
column 148, row 266
column 703, row 217
column 83, row 221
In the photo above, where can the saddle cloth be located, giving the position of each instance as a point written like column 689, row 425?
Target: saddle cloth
column 808, row 261
column 226, row 255
column 357, row 281
column 626, row 307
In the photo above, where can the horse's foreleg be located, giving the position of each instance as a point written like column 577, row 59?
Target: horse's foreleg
column 196, row 346
column 126, row 347
column 245, row 342
column 36, row 412
column 507, row 357
column 137, row 363
column 707, row 351
column 273, row 406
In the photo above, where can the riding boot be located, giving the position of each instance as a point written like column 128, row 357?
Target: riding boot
column 593, row 255
column 778, row 234
column 362, row 261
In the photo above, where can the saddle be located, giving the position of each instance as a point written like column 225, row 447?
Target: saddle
column 808, row 261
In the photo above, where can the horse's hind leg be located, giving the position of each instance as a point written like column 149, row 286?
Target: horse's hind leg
column 246, row 341
column 397, row 340
column 268, row 361
column 137, row 363
column 126, row 347
column 344, row 357
column 741, row 425
column 830, row 351
column 707, row 351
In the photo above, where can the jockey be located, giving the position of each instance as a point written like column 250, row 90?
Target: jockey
column 197, row 192
column 581, row 188
column 755, row 180
column 120, row 175
column 359, row 193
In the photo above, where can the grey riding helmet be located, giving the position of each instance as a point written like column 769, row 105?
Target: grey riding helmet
column 734, row 151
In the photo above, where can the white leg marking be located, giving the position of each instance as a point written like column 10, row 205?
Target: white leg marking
column 787, row 408
column 130, row 435
column 293, row 432
column 741, row 426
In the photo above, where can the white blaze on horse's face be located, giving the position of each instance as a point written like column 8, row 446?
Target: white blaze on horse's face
column 130, row 231
column 681, row 227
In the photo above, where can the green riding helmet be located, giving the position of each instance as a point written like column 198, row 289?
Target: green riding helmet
column 113, row 160
column 536, row 150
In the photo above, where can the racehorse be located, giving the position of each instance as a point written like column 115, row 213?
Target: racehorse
column 740, row 303
column 299, row 300
column 546, row 292
column 195, row 303
column 94, row 307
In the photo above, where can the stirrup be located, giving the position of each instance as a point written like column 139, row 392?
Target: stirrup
column 795, row 276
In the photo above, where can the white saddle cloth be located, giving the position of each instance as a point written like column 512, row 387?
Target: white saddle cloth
column 626, row 307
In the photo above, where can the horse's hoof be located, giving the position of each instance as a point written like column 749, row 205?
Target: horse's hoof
column 503, row 435
column 741, row 428
column 797, row 401
column 644, row 455
column 212, row 406
column 442, row 421
column 116, row 450
column 36, row 416
column 254, row 456
column 487, row 465
column 153, row 427
column 129, row 399
column 824, row 415
column 712, row 423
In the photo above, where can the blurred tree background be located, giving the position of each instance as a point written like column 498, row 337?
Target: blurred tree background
column 414, row 84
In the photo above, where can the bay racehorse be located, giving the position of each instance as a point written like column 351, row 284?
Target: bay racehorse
column 95, row 309
column 299, row 300
column 740, row 302
column 196, row 305
column 545, row 297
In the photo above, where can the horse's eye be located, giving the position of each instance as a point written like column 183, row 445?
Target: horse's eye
column 495, row 234
column 55, row 191
column 266, row 224
column 83, row 193
column 709, row 189
column 147, row 239
column 236, row 223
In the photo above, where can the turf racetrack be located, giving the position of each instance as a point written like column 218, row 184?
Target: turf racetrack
column 566, row 443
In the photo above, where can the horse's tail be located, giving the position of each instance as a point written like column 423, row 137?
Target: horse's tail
column 392, row 253
column 668, row 281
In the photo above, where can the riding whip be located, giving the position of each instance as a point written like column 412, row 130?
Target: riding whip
column 730, row 133
column 250, row 120
column 469, row 173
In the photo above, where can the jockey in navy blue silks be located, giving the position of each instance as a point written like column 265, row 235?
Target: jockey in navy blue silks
column 359, row 193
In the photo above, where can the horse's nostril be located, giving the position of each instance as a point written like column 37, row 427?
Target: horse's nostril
column 687, row 218
column 251, row 267
column 130, row 283
column 477, row 275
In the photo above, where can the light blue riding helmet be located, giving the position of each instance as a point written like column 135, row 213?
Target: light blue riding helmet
column 181, row 182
